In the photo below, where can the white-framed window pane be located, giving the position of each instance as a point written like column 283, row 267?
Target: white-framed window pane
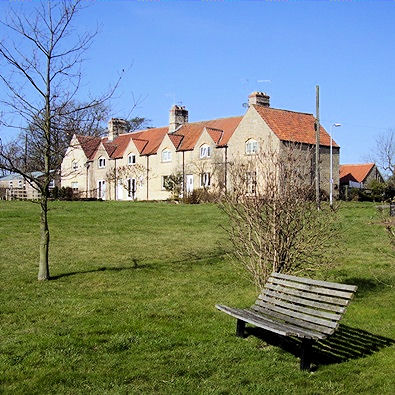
column 102, row 162
column 74, row 186
column 251, row 147
column 164, row 182
column 166, row 156
column 205, row 179
column 131, row 159
column 205, row 151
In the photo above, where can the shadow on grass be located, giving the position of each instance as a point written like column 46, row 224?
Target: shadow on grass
column 100, row 269
column 345, row 344
column 191, row 259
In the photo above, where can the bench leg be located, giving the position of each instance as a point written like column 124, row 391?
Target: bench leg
column 240, row 328
column 306, row 352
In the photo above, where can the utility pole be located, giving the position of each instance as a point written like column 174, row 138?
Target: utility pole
column 317, row 147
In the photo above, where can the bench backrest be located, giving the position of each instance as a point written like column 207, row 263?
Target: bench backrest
column 315, row 306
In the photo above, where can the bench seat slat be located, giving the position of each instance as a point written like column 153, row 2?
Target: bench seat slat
column 311, row 288
column 326, row 284
column 241, row 314
column 306, row 302
column 286, row 318
column 307, row 332
column 307, row 295
column 258, row 320
column 301, row 316
column 295, row 307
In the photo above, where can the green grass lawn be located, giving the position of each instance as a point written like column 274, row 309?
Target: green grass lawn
column 131, row 306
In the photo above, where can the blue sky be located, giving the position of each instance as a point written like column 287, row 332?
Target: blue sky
column 209, row 55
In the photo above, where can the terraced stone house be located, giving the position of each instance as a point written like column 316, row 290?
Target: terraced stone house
column 136, row 166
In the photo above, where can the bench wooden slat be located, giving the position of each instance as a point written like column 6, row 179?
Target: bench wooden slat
column 307, row 332
column 241, row 314
column 300, row 323
column 255, row 318
column 307, row 295
column 307, row 310
column 312, row 288
column 301, row 316
column 307, row 302
column 326, row 284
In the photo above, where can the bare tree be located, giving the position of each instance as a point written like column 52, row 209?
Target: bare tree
column 42, row 82
column 273, row 222
column 124, row 176
column 384, row 153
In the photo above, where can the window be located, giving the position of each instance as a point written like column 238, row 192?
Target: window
column 205, row 179
column 74, row 186
column 132, row 187
column 251, row 182
column 102, row 163
column 251, row 147
column 74, row 165
column 165, row 182
column 204, row 151
column 10, row 184
column 20, row 183
column 131, row 159
column 166, row 155
column 52, row 184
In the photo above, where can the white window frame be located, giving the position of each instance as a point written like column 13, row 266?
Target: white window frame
column 101, row 162
column 20, row 183
column 251, row 147
column 166, row 155
column 74, row 165
column 131, row 159
column 10, row 184
column 205, row 180
column 205, row 151
column 163, row 179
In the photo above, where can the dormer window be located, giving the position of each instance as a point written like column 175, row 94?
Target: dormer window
column 131, row 159
column 102, row 163
column 166, row 155
column 251, row 147
column 204, row 151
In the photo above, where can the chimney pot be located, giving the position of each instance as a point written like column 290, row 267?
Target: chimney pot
column 116, row 126
column 259, row 98
column 178, row 116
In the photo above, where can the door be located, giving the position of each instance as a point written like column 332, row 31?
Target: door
column 189, row 187
column 132, row 188
column 101, row 190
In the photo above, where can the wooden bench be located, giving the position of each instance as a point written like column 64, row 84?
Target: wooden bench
column 296, row 306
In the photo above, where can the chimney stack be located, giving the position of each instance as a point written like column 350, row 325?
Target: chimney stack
column 116, row 126
column 178, row 116
column 259, row 98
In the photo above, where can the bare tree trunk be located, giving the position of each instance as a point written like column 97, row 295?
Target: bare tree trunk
column 43, row 270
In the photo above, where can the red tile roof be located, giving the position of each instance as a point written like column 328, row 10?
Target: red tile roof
column 293, row 126
column 355, row 172
column 220, row 131
column 89, row 145
column 287, row 125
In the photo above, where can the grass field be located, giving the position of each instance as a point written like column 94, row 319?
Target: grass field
column 131, row 306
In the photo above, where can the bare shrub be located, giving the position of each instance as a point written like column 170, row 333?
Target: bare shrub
column 274, row 224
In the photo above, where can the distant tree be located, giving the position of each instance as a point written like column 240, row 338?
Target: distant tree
column 138, row 123
column 384, row 152
column 69, row 119
column 42, row 81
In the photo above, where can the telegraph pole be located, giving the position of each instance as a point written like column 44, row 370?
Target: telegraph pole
column 317, row 146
